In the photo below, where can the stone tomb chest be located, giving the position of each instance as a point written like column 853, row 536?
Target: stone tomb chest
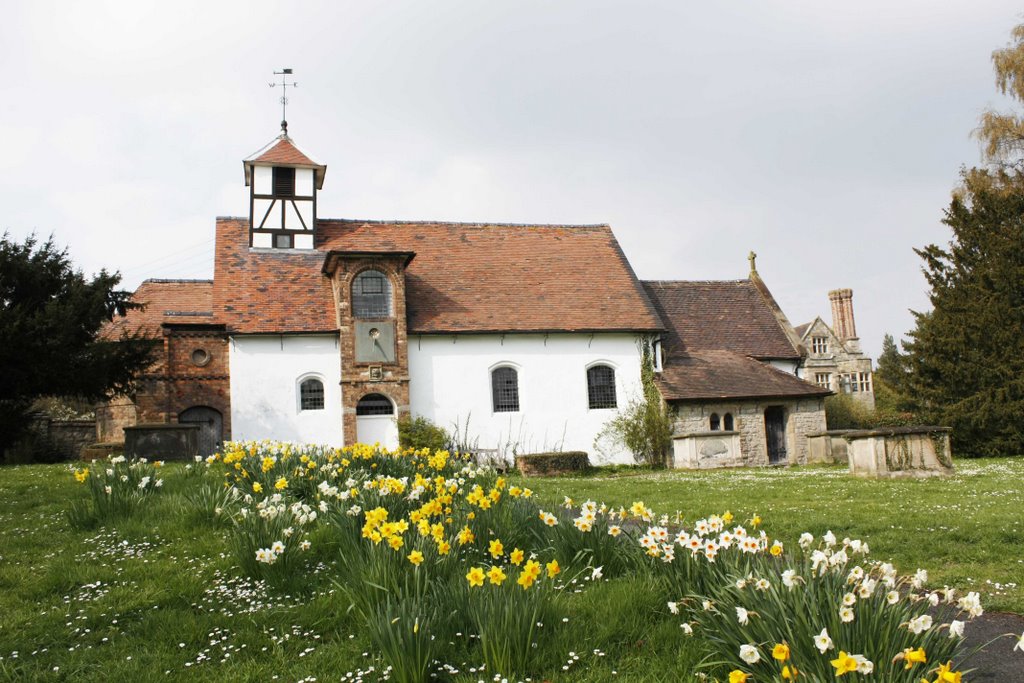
column 897, row 452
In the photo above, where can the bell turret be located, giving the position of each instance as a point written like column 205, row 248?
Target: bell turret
column 283, row 182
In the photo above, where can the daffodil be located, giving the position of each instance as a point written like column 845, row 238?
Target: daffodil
column 737, row 676
column 475, row 576
column 844, row 663
column 780, row 652
column 516, row 557
column 281, row 484
column 496, row 576
column 553, row 569
column 416, row 557
column 496, row 548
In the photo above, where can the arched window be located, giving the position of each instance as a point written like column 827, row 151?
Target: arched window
column 505, row 390
column 311, row 394
column 716, row 422
column 601, row 387
column 728, row 422
column 375, row 404
column 371, row 295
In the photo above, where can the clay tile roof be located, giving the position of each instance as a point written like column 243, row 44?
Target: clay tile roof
column 730, row 315
column 801, row 330
column 713, row 375
column 282, row 151
column 266, row 290
column 465, row 278
column 166, row 301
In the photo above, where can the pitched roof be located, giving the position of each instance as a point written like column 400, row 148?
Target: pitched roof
column 465, row 278
column 801, row 330
column 710, row 375
column 268, row 290
column 166, row 301
column 282, row 151
column 730, row 315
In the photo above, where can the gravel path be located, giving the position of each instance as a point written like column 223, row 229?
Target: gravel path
column 999, row 661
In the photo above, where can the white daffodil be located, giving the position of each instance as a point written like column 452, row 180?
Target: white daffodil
column 822, row 641
column 749, row 654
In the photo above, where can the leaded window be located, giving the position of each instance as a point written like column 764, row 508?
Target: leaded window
column 505, row 390
column 375, row 404
column 601, row 387
column 819, row 344
column 311, row 394
column 716, row 422
column 727, row 422
column 371, row 295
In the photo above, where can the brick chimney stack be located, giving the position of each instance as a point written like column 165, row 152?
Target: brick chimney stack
column 842, row 314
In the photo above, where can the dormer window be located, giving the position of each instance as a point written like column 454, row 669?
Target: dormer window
column 819, row 344
column 284, row 182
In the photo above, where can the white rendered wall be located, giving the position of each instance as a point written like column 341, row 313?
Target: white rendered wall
column 450, row 381
column 262, row 179
column 265, row 375
column 787, row 366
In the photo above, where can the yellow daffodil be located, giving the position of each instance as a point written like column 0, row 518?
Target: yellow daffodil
column 945, row 674
column 281, row 484
column 516, row 557
column 82, row 475
column 844, row 664
column 912, row 657
column 475, row 576
column 727, row 517
column 780, row 652
column 789, row 673
column 496, row 548
column 529, row 574
column 496, row 576
column 755, row 521
column 737, row 676
column 257, row 487
column 465, row 536
column 416, row 557
column 553, row 569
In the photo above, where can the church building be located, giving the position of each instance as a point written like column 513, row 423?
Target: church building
column 522, row 338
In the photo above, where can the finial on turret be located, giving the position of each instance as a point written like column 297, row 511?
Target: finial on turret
column 284, row 74
column 752, row 257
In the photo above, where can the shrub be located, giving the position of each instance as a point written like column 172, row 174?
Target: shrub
column 843, row 412
column 419, row 432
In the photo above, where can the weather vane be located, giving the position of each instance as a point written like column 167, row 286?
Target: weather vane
column 284, row 74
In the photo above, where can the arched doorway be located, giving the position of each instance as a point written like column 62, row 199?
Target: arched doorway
column 375, row 421
column 211, row 427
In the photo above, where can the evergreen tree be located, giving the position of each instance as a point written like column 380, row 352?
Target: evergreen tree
column 50, row 318
column 893, row 403
column 966, row 355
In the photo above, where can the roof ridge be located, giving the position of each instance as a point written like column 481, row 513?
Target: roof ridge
column 164, row 281
column 472, row 224
column 694, row 282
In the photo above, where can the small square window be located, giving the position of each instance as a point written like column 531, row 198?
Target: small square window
column 283, row 241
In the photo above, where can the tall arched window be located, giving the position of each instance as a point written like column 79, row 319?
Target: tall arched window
column 311, row 394
column 375, row 404
column 371, row 295
column 716, row 422
column 727, row 422
column 601, row 387
column 505, row 390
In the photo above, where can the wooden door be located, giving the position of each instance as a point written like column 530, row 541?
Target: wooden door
column 211, row 427
column 775, row 434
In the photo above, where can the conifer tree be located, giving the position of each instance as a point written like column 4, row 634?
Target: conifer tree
column 965, row 359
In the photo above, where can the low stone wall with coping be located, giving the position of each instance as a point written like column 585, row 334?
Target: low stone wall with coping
column 897, row 452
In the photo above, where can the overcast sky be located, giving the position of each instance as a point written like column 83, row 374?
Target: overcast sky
column 825, row 136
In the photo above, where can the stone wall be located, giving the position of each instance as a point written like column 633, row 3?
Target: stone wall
column 68, row 438
column 803, row 417
column 828, row 447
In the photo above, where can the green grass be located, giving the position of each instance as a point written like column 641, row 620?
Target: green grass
column 159, row 596
column 966, row 530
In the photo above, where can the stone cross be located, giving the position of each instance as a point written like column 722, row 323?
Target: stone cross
column 752, row 257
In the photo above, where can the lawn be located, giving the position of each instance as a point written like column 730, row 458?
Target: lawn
column 161, row 593
column 966, row 530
